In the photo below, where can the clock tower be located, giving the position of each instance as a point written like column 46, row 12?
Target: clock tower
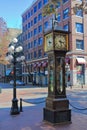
column 57, row 105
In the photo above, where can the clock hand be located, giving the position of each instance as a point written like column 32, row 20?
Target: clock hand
column 61, row 41
column 50, row 42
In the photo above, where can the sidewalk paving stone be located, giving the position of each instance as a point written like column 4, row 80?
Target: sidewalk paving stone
column 32, row 116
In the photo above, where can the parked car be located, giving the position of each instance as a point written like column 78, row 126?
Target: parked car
column 18, row 82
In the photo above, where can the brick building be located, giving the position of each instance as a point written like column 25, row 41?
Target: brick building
column 33, row 26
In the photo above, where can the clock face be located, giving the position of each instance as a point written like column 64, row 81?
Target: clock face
column 49, row 42
column 60, row 42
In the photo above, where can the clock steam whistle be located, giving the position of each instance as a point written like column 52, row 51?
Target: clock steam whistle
column 57, row 109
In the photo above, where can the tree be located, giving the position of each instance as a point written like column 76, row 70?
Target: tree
column 51, row 7
column 4, row 40
column 6, row 37
column 3, row 27
column 80, row 6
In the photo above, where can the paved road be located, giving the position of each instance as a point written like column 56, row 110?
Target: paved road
column 7, row 85
column 78, row 100
column 32, row 116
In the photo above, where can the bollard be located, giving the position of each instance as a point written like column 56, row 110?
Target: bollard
column 21, row 105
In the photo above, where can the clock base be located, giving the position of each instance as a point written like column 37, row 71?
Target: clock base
column 57, row 111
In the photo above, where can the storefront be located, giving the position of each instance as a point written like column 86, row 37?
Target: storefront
column 40, row 74
column 78, row 72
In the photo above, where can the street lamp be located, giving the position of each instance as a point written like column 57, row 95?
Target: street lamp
column 14, row 56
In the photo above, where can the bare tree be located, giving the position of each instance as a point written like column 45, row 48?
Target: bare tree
column 4, row 40
column 3, row 27
column 82, row 5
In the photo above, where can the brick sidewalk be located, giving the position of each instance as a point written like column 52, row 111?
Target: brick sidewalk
column 32, row 116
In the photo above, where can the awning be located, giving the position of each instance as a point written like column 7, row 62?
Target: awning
column 35, row 65
column 81, row 60
column 44, row 64
column 67, row 60
column 39, row 65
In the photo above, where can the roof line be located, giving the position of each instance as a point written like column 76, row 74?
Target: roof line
column 28, row 7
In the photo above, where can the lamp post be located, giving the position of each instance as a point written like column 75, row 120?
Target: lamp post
column 14, row 56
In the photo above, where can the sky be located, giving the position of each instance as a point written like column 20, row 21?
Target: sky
column 11, row 11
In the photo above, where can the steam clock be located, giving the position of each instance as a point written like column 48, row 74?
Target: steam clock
column 57, row 105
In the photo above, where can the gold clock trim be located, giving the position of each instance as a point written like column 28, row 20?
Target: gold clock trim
column 56, row 41
column 48, row 42
column 61, row 41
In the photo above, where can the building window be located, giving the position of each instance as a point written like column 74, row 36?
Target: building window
column 26, row 17
column 66, row 13
column 45, row 54
column 40, row 5
column 35, row 20
column 26, row 27
column 28, row 45
column 26, row 37
column 35, row 31
column 45, row 2
column 28, row 56
column 35, row 54
column 31, row 44
column 58, row 5
column 23, row 38
column 23, row 19
column 40, row 29
column 28, row 14
column 31, row 12
column 66, row 27
column 64, row 1
column 29, row 35
column 35, row 9
column 39, row 17
column 79, row 12
column 79, row 44
column 31, row 22
column 40, row 41
column 39, row 53
column 35, row 43
column 59, row 17
column 31, row 55
column 29, row 25
column 79, row 27
column 45, row 24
